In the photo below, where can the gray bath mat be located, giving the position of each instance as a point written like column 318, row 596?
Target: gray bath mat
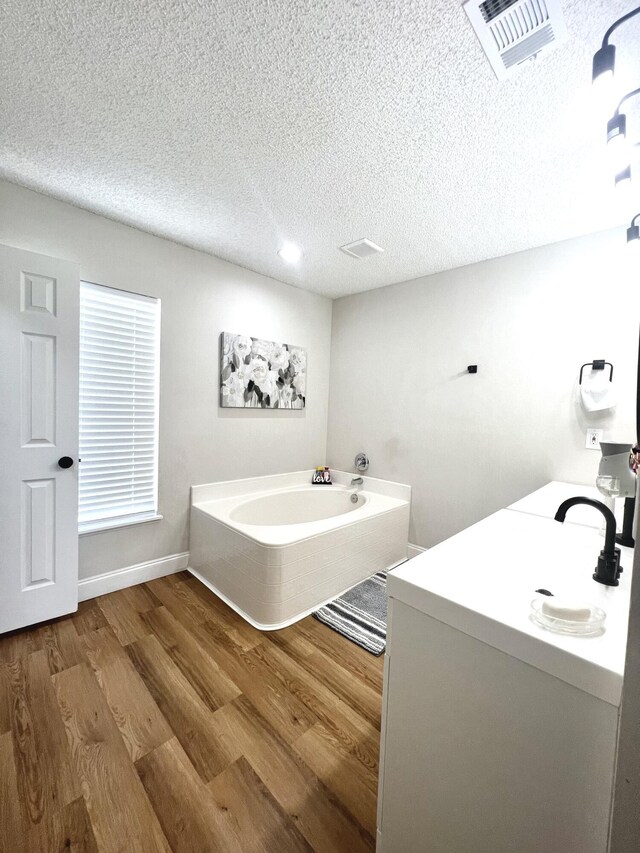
column 360, row 614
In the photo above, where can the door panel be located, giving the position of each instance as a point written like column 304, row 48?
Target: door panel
column 38, row 393
column 38, row 293
column 38, row 519
column 39, row 304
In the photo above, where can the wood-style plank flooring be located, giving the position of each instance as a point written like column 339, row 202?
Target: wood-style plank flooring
column 156, row 719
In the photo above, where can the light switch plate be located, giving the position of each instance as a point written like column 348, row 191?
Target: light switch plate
column 594, row 437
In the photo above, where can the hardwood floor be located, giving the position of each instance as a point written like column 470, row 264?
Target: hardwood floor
column 156, row 719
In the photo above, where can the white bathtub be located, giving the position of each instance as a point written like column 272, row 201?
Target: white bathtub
column 277, row 548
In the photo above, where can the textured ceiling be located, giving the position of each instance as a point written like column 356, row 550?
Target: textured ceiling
column 231, row 126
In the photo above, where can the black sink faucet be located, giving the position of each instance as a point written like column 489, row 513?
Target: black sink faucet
column 608, row 568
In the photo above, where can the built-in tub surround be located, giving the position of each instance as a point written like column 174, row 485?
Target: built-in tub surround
column 276, row 548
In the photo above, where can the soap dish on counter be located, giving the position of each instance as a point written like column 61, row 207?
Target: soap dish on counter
column 563, row 616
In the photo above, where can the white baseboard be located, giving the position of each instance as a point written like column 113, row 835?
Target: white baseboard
column 131, row 575
column 414, row 550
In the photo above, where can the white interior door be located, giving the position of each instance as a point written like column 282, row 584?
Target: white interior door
column 39, row 300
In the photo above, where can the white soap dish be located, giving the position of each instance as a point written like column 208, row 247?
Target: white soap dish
column 564, row 616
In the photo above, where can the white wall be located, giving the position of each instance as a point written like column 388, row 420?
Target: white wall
column 399, row 389
column 471, row 444
column 201, row 297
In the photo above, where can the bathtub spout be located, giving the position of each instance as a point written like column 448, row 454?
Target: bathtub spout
column 357, row 481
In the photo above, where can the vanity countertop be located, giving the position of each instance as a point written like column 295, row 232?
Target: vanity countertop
column 545, row 501
column 482, row 582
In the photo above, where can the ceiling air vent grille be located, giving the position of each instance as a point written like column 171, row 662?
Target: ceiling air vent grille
column 512, row 31
column 492, row 8
column 361, row 249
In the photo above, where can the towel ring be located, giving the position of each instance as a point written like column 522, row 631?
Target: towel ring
column 597, row 364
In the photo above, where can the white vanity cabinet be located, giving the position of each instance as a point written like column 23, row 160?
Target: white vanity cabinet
column 499, row 736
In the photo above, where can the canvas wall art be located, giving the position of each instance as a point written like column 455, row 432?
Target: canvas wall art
column 259, row 374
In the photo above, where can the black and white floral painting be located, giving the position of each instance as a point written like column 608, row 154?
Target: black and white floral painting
column 260, row 374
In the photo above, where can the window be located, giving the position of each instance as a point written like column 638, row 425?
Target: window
column 119, row 364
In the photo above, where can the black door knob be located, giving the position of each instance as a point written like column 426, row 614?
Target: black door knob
column 65, row 462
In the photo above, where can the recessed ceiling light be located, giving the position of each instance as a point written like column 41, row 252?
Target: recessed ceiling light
column 361, row 249
column 290, row 253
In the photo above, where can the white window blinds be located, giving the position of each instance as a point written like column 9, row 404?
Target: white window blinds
column 119, row 368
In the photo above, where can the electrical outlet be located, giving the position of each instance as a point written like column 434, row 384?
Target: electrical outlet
column 594, row 437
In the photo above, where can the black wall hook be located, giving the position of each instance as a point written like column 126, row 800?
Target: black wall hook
column 473, row 368
column 597, row 364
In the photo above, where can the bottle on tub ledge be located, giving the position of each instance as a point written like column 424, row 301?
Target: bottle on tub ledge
column 321, row 476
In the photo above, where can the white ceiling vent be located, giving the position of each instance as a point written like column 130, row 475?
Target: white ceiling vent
column 361, row 249
column 512, row 31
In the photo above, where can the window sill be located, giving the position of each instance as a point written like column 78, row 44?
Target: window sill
column 88, row 527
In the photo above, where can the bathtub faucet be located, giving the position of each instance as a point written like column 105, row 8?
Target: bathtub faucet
column 357, row 481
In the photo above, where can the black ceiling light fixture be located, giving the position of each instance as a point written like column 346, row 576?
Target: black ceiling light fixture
column 604, row 65
column 623, row 176
column 617, row 124
column 633, row 231
column 604, row 60
column 617, row 141
column 617, row 128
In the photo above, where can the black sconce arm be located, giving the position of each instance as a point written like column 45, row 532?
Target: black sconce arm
column 616, row 24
